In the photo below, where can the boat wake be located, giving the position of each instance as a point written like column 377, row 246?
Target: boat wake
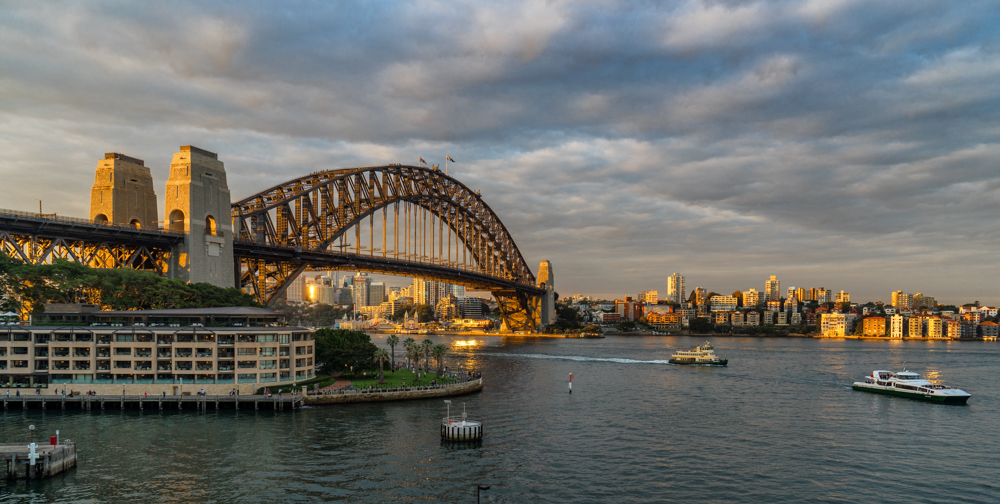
column 579, row 358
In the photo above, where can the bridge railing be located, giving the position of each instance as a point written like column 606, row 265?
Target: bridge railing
column 76, row 220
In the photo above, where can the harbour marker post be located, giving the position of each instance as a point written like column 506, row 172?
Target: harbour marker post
column 571, row 383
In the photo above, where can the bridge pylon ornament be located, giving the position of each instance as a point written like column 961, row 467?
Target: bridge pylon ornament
column 395, row 219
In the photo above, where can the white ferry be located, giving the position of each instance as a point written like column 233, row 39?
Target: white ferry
column 910, row 384
column 704, row 355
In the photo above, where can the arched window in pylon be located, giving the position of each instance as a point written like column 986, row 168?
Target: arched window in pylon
column 135, row 224
column 210, row 226
column 100, row 219
column 176, row 221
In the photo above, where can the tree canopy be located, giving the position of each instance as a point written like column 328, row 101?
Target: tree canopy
column 340, row 350
column 26, row 288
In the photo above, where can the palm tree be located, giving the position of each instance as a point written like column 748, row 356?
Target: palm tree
column 380, row 356
column 413, row 353
column 427, row 346
column 408, row 343
column 439, row 350
column 393, row 340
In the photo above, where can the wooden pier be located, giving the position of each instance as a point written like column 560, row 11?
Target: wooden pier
column 43, row 461
column 154, row 403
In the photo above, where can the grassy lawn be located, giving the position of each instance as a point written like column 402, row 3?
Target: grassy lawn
column 321, row 379
column 397, row 379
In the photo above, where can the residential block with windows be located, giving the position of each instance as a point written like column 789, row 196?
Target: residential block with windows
column 155, row 351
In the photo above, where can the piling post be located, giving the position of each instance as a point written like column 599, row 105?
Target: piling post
column 216, row 403
column 102, row 403
column 12, row 468
column 159, row 402
column 255, row 401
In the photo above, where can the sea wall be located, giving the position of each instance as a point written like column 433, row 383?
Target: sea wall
column 360, row 396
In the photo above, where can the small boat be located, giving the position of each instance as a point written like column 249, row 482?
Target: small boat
column 911, row 385
column 704, row 355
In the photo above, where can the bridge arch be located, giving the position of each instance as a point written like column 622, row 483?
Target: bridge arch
column 432, row 226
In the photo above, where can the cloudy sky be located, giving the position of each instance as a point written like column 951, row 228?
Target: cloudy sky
column 845, row 144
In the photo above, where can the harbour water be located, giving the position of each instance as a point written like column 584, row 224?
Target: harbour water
column 779, row 424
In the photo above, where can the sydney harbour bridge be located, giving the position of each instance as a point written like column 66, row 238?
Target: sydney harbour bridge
column 394, row 219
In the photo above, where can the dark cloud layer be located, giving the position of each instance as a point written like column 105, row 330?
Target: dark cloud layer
column 834, row 143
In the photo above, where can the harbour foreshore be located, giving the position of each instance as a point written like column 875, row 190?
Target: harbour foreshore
column 398, row 394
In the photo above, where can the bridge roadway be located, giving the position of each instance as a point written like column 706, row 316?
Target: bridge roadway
column 72, row 229
column 352, row 262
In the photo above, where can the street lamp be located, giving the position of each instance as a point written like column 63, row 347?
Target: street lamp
column 31, row 429
column 480, row 488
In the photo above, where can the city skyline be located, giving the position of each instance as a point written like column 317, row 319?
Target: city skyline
column 725, row 141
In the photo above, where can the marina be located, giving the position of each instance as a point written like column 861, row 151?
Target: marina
column 33, row 460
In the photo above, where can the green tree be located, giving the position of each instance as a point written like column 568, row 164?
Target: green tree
column 427, row 348
column 739, row 298
column 380, row 356
column 439, row 352
column 393, row 340
column 700, row 325
column 339, row 349
column 401, row 312
column 425, row 313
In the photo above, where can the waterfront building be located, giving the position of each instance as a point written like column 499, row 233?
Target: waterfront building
column 772, row 289
column 917, row 326
column 721, row 317
column 833, row 325
column 782, row 317
column 953, row 329
column 874, row 326
column 723, row 303
column 753, row 318
column 988, row 330
column 934, row 327
column 751, row 298
column 675, row 288
column 898, row 326
column 768, row 317
column 660, row 319
column 155, row 351
column 811, row 318
column 736, row 319
column 472, row 308
column 774, row 305
column 796, row 318
column 968, row 330
column 700, row 298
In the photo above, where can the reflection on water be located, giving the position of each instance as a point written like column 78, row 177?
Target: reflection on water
column 780, row 424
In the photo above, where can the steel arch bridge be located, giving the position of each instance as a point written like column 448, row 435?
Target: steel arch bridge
column 394, row 219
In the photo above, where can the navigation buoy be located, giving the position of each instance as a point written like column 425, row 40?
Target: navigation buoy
column 571, row 383
column 453, row 429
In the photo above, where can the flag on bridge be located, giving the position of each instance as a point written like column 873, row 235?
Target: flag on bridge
column 422, row 160
column 449, row 158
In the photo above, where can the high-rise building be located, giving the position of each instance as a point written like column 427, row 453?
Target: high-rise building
column 902, row 300
column 296, row 290
column 800, row 295
column 428, row 291
column 751, row 298
column 376, row 293
column 723, row 303
column 699, row 296
column 675, row 288
column 922, row 301
column 651, row 297
column 458, row 291
column 844, row 297
column 362, row 287
column 772, row 289
column 793, row 295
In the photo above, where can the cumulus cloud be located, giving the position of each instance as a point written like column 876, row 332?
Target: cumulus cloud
column 834, row 143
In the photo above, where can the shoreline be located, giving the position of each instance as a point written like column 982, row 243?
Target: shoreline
column 377, row 395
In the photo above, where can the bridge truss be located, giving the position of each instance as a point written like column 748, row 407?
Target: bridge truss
column 395, row 219
column 38, row 239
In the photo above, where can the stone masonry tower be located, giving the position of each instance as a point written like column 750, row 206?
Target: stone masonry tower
column 123, row 192
column 546, row 308
column 197, row 203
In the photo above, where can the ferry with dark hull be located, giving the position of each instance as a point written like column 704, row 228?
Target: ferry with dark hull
column 911, row 385
column 702, row 355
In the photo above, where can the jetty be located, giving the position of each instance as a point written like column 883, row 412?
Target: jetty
column 37, row 460
column 155, row 403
